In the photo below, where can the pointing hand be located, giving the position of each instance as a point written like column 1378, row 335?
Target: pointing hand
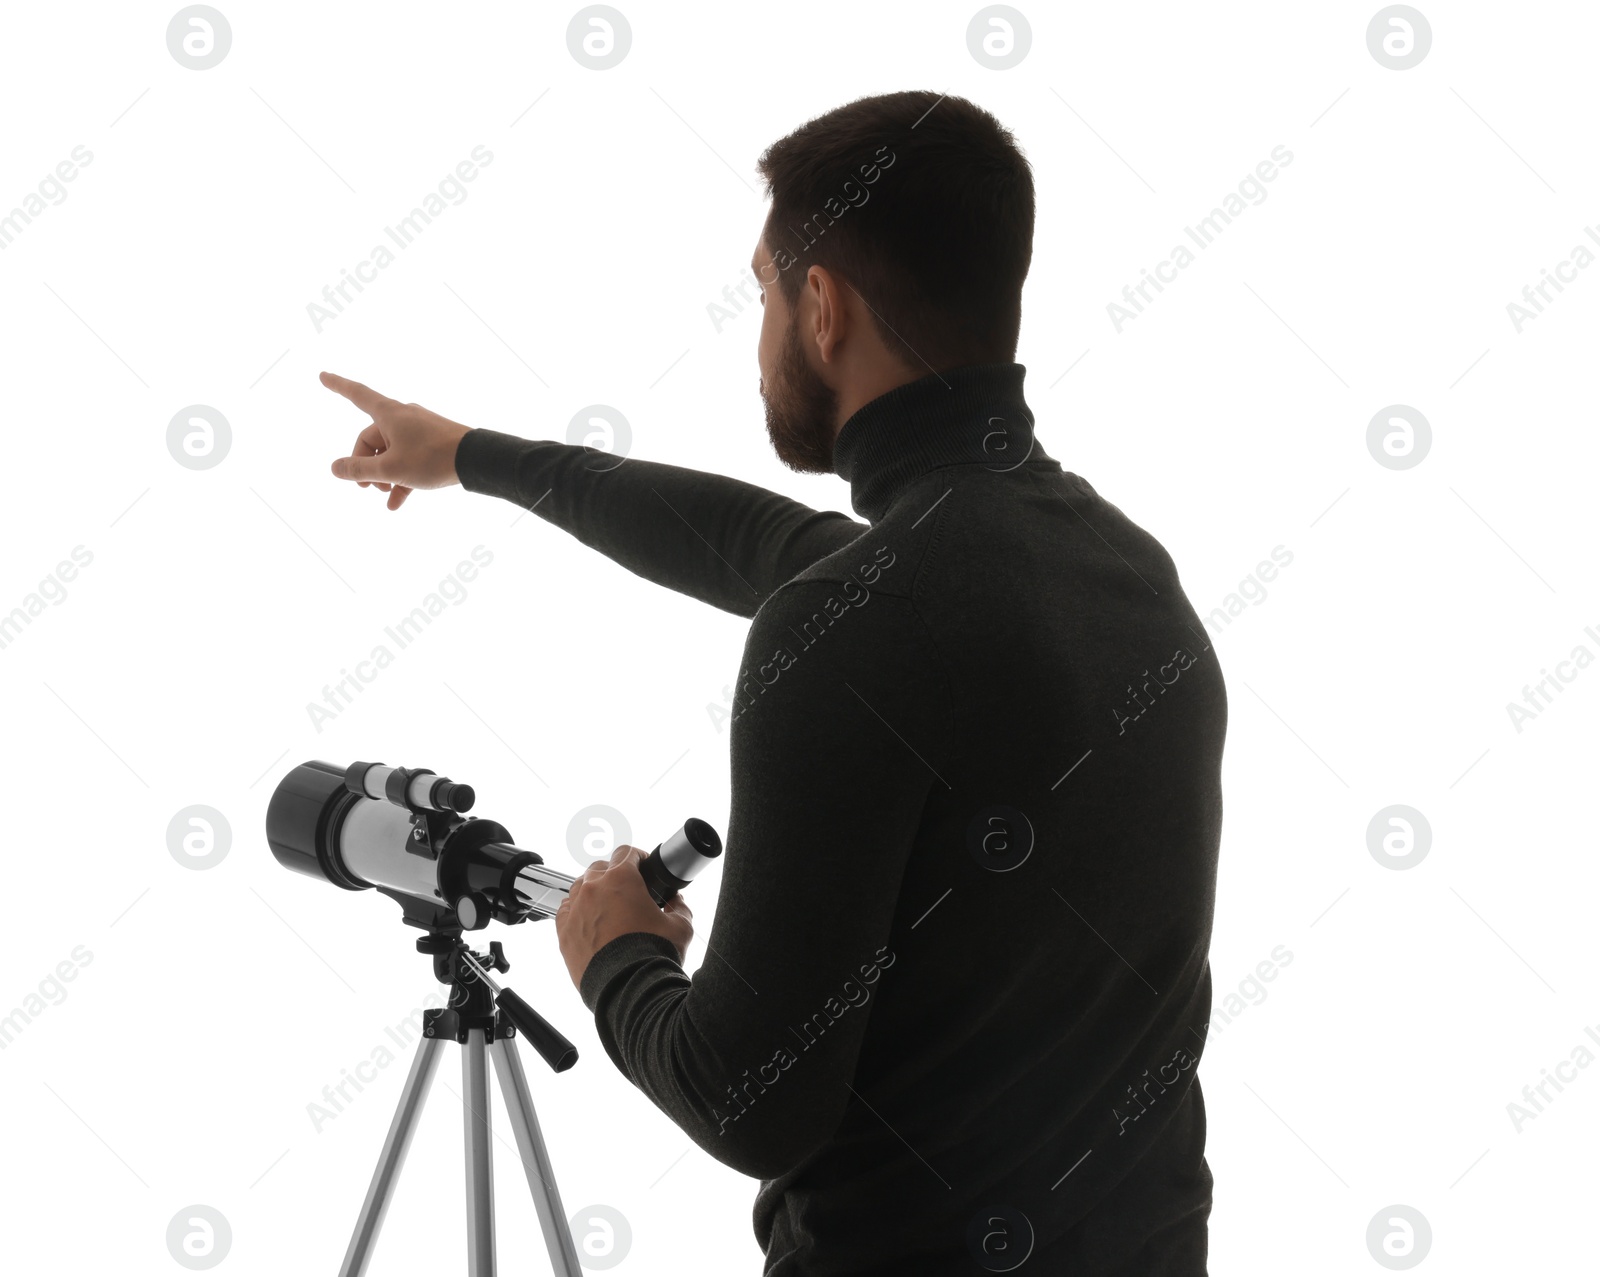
column 404, row 446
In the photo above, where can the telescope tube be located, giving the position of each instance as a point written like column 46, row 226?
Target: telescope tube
column 352, row 827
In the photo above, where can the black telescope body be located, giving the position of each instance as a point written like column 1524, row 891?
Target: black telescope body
column 402, row 831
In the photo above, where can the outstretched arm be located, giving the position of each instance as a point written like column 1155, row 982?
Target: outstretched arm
column 725, row 542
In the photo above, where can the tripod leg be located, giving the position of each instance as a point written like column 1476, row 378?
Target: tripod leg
column 423, row 1066
column 535, row 1160
column 480, row 1156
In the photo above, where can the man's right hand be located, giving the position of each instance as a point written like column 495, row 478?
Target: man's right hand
column 404, row 446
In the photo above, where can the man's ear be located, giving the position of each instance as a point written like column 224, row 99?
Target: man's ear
column 829, row 322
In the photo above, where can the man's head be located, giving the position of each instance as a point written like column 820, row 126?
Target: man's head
column 899, row 237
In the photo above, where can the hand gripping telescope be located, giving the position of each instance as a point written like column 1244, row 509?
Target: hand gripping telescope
column 402, row 831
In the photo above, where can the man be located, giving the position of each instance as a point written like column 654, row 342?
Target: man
column 960, row 981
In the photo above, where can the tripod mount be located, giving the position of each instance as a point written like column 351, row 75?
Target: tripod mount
column 484, row 1019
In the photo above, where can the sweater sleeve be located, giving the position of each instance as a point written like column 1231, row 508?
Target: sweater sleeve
column 720, row 540
column 843, row 723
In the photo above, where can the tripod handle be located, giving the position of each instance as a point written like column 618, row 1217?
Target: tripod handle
column 543, row 1036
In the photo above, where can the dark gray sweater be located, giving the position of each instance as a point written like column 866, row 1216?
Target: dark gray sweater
column 957, row 983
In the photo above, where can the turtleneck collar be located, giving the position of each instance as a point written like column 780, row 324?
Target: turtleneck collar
column 974, row 414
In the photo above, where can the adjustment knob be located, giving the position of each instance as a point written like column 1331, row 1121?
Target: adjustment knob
column 472, row 911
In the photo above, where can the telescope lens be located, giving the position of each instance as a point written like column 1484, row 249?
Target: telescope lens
column 702, row 837
column 303, row 820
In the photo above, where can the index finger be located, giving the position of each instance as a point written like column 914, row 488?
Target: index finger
column 364, row 397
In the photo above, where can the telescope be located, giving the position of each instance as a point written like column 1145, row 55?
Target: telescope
column 402, row 830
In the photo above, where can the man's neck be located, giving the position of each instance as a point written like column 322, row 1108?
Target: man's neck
column 971, row 415
column 872, row 383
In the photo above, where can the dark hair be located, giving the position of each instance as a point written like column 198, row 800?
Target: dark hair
column 924, row 204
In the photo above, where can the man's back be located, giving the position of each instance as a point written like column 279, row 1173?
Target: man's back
column 1053, row 922
column 957, row 984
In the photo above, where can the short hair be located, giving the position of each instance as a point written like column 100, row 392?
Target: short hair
column 924, row 204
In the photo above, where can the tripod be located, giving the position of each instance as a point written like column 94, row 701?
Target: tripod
column 485, row 1027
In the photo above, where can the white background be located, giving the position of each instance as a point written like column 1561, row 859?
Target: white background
column 1229, row 418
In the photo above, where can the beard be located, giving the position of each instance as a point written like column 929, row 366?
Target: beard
column 801, row 409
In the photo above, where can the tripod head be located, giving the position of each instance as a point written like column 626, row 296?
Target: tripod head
column 475, row 997
column 404, row 832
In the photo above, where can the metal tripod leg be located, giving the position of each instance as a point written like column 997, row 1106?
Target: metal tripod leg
column 535, row 1159
column 480, row 1155
column 423, row 1066
column 478, row 1130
